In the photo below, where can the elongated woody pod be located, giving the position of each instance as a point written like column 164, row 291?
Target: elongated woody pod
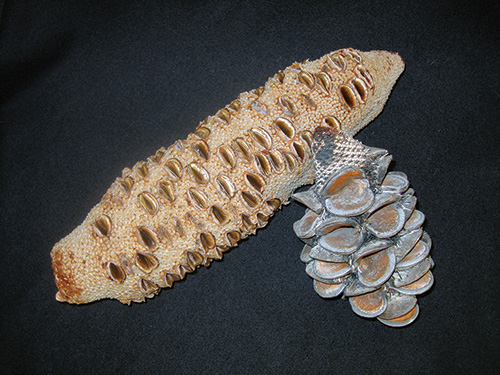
column 191, row 202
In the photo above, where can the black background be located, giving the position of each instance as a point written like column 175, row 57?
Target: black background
column 88, row 88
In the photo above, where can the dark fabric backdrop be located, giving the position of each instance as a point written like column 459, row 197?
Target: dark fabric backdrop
column 88, row 88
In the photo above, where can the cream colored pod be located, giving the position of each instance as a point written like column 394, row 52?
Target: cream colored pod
column 189, row 203
column 363, row 235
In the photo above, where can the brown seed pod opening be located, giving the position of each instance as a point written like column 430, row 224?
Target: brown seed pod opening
column 291, row 161
column 197, row 198
column 262, row 219
column 273, row 204
column 198, row 173
column 306, row 78
column 232, row 238
column 147, row 237
column 207, row 240
column 286, row 130
column 332, row 122
column 220, row 215
column 360, row 87
column 336, row 61
column 242, row 148
column 148, row 287
column 142, row 169
column 202, row 132
column 288, row 105
column 146, row 262
column 324, row 82
column 201, row 149
column 227, row 156
column 167, row 190
column 261, row 137
column 348, row 96
column 280, row 76
column 171, row 278
column 299, row 150
column 194, row 258
column 307, row 136
column 255, row 181
column 156, row 158
column 365, row 75
column 102, row 226
column 258, row 91
column 262, row 163
column 250, row 200
column 277, row 161
column 127, row 184
column 174, row 168
column 148, row 202
column 224, row 115
column 248, row 225
column 235, row 105
column 225, row 186
column 116, row 272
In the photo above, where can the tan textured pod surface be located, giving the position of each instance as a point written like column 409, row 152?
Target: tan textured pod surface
column 189, row 203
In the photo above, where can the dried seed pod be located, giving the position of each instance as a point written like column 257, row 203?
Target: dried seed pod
column 220, row 215
column 167, row 190
column 142, row 169
column 224, row 115
column 127, row 184
column 288, row 105
column 194, row 259
column 285, row 128
column 232, row 238
column 361, row 88
column 251, row 200
column 277, row 161
column 307, row 79
column 243, row 149
column 174, row 169
column 225, row 186
column 102, row 226
column 146, row 262
column 324, row 82
column 262, row 163
column 201, row 149
column 261, row 138
column 198, row 173
column 198, row 198
column 332, row 122
column 362, row 233
column 207, row 240
column 147, row 237
column 255, row 181
column 148, row 287
column 227, row 156
column 348, row 96
column 235, row 105
column 148, row 202
column 116, row 272
column 208, row 188
column 171, row 277
column 202, row 132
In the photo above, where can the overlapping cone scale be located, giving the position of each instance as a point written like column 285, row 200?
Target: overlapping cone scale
column 363, row 235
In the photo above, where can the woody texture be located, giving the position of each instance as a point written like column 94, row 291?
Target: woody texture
column 189, row 203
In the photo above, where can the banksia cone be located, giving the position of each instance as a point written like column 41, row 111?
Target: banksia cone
column 363, row 235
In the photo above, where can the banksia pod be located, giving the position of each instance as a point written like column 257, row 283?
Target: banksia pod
column 188, row 204
column 363, row 235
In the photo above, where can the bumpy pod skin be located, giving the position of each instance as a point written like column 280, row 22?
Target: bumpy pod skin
column 188, row 204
